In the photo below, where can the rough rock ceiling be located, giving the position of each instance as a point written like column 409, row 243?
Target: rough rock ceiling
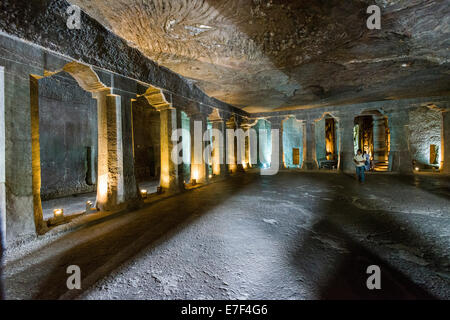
column 275, row 55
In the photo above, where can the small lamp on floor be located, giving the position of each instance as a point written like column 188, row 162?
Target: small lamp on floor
column 58, row 216
column 89, row 207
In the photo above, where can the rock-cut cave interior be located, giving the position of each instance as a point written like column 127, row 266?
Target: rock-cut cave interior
column 225, row 150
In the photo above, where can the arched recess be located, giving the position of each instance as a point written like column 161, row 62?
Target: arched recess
column 327, row 141
column 109, row 186
column 292, row 142
column 372, row 135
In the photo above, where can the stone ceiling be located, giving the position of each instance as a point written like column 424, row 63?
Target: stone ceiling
column 279, row 55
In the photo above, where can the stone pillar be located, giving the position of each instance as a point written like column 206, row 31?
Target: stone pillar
column 199, row 169
column 252, row 151
column 171, row 172
column 231, row 147
column 277, row 124
column 219, row 163
column 309, row 146
column 224, row 166
column 240, row 146
column 21, row 203
column 379, row 139
column 399, row 157
column 346, row 147
column 445, row 142
column 110, row 188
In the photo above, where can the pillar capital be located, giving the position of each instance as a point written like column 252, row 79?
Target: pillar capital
column 276, row 122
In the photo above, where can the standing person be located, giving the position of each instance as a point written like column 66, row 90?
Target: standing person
column 367, row 157
column 360, row 162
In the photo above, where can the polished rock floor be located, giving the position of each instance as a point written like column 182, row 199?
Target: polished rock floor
column 295, row 235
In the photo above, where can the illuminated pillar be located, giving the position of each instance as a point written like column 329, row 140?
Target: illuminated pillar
column 224, row 165
column 231, row 145
column 110, row 188
column 199, row 168
column 309, row 146
column 218, row 159
column 171, row 179
column 346, row 148
column 445, row 141
column 240, row 146
column 399, row 157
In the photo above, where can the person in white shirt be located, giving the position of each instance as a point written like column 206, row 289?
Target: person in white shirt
column 360, row 162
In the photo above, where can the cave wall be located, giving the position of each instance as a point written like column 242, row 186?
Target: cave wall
column 425, row 130
column 68, row 127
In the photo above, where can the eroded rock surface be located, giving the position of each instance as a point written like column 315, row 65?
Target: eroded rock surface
column 266, row 55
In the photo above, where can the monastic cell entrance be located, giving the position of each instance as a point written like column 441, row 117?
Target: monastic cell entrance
column 293, row 143
column 371, row 134
column 327, row 144
column 146, row 145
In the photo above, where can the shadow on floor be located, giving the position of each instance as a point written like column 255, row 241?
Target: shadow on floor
column 346, row 277
column 99, row 256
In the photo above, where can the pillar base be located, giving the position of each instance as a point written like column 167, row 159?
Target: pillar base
column 308, row 165
column 401, row 162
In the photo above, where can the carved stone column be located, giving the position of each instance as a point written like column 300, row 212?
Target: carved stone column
column 346, row 148
column 199, row 168
column 309, row 146
column 110, row 189
column 277, row 124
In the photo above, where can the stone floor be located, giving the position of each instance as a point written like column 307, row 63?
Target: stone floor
column 290, row 236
